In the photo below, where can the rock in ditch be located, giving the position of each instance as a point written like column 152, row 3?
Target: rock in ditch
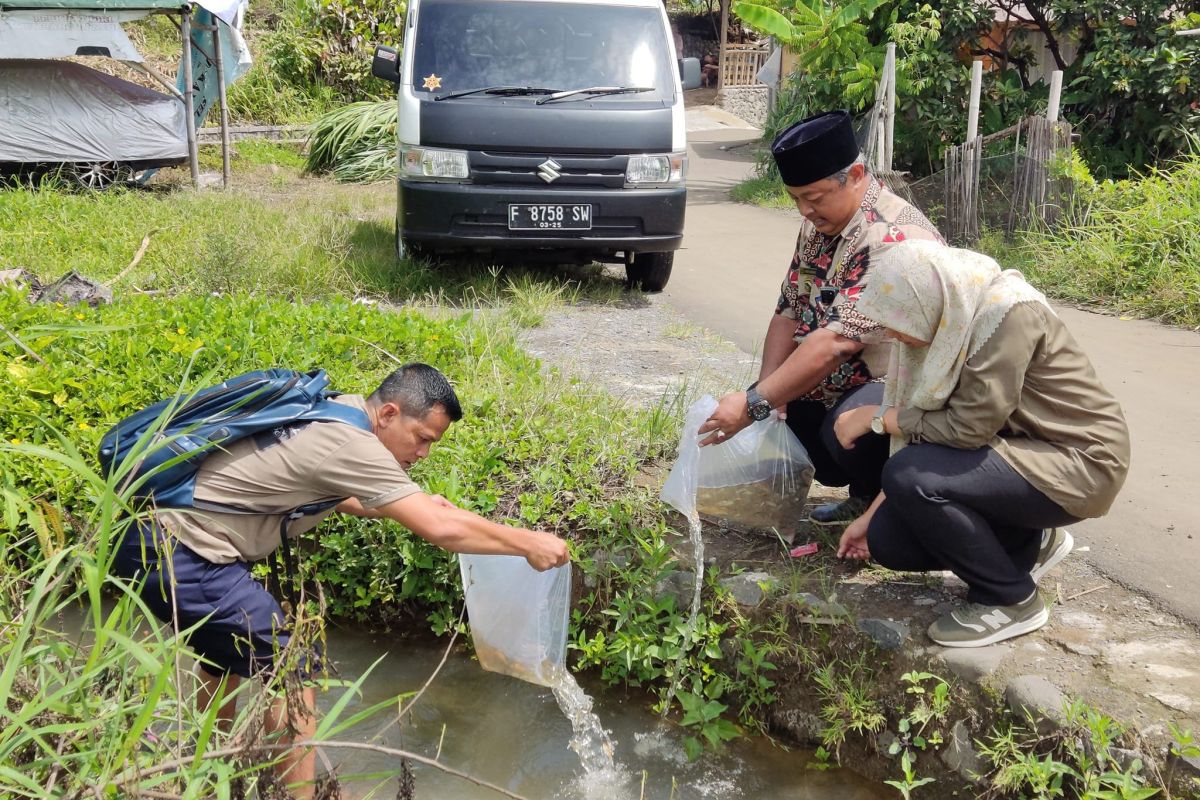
column 887, row 633
column 960, row 754
column 71, row 289
column 750, row 588
column 1039, row 698
column 974, row 663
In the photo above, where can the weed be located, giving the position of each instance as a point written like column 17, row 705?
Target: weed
column 910, row 781
column 848, row 704
column 767, row 192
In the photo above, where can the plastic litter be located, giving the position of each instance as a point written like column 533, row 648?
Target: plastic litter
column 803, row 550
column 518, row 616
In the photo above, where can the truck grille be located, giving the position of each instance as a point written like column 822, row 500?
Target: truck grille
column 572, row 171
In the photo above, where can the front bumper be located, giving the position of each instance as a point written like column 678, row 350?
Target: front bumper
column 454, row 216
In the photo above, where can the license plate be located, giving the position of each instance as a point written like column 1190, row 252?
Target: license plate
column 536, row 216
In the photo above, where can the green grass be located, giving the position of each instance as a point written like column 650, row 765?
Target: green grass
column 1131, row 246
column 765, row 192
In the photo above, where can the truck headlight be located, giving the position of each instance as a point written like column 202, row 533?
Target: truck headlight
column 655, row 171
column 431, row 164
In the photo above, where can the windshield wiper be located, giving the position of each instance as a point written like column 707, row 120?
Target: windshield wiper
column 507, row 91
column 599, row 90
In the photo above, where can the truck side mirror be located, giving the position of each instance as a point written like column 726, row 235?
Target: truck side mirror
column 386, row 64
column 689, row 72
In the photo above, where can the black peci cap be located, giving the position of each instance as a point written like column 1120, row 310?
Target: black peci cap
column 815, row 148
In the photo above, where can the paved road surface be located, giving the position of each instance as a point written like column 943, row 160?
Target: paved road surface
column 727, row 279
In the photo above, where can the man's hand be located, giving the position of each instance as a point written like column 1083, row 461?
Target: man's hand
column 546, row 551
column 853, row 425
column 731, row 415
column 853, row 543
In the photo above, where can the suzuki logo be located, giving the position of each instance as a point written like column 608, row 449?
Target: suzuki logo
column 548, row 170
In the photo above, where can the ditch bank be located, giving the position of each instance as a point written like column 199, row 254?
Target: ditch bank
column 1105, row 693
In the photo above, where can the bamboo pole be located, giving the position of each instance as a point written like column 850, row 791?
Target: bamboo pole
column 721, row 65
column 890, row 114
column 1055, row 95
column 189, row 93
column 221, row 100
column 973, row 109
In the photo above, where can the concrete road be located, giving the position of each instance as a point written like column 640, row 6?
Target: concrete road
column 727, row 279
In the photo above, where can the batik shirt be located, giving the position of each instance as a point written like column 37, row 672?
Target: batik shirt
column 828, row 273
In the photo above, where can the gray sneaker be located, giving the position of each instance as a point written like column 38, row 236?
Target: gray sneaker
column 978, row 626
column 839, row 513
column 1057, row 544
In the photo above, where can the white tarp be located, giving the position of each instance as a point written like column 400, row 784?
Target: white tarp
column 58, row 33
column 225, row 10
column 57, row 111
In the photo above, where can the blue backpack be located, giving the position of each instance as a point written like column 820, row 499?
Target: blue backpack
column 200, row 424
column 189, row 428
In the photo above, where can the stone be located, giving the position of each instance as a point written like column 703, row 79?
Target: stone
column 1186, row 765
column 960, row 754
column 679, row 584
column 974, row 663
column 803, row 726
column 818, row 607
column 1080, row 619
column 750, row 588
column 1080, row 649
column 1125, row 757
column 1176, row 701
column 887, row 633
column 884, row 742
column 1035, row 696
column 926, row 601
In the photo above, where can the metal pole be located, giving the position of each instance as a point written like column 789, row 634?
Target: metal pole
column 189, row 92
column 220, row 64
column 890, row 114
column 976, row 90
column 1055, row 95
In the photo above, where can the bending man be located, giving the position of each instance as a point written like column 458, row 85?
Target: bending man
column 196, row 564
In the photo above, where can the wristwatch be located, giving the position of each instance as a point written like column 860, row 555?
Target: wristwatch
column 877, row 420
column 757, row 406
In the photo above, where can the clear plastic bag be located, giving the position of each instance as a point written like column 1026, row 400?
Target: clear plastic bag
column 518, row 615
column 758, row 478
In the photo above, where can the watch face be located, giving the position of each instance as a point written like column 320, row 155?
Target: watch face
column 760, row 410
column 877, row 425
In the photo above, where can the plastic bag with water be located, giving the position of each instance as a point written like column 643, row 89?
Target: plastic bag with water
column 758, row 478
column 518, row 616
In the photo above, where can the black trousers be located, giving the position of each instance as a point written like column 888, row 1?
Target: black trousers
column 859, row 468
column 967, row 511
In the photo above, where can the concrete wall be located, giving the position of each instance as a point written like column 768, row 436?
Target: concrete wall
column 747, row 102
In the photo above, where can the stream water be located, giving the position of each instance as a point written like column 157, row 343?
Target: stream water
column 513, row 734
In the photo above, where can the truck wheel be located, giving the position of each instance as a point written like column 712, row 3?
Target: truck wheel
column 650, row 271
column 406, row 250
column 99, row 175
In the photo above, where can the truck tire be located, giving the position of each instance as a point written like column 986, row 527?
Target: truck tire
column 650, row 271
column 406, row 250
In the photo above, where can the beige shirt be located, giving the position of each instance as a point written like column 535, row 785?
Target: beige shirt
column 1031, row 394
column 276, row 471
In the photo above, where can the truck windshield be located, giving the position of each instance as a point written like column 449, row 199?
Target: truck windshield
column 463, row 45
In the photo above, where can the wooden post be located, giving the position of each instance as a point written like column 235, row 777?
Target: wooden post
column 721, row 66
column 889, row 65
column 189, row 96
column 1055, row 95
column 220, row 65
column 973, row 109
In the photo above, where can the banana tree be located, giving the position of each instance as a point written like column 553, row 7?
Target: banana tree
column 830, row 40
